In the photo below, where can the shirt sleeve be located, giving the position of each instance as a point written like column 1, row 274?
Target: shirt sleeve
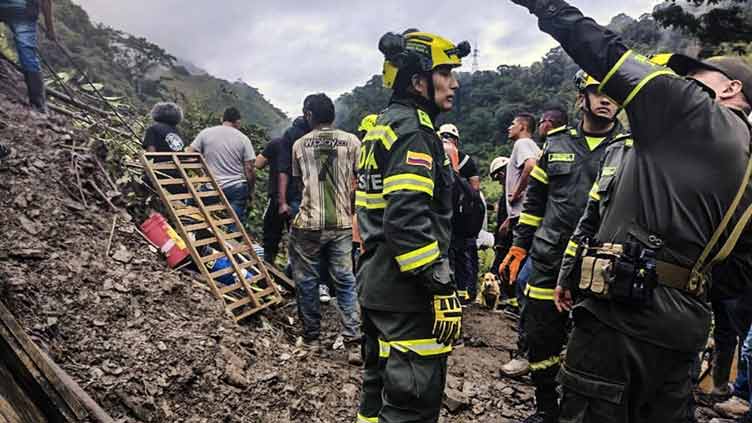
column 296, row 171
column 469, row 169
column 284, row 158
column 198, row 142
column 149, row 138
column 408, row 191
column 248, row 152
column 525, row 150
column 534, row 206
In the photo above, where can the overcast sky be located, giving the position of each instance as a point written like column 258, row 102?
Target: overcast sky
column 289, row 49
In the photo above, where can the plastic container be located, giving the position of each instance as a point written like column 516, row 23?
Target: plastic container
column 158, row 231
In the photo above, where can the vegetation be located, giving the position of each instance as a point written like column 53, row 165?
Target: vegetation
column 713, row 22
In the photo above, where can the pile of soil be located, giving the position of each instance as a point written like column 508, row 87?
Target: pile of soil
column 150, row 346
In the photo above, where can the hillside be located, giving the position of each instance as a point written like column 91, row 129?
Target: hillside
column 143, row 72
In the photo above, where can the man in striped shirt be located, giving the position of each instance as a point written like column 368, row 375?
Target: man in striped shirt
column 324, row 163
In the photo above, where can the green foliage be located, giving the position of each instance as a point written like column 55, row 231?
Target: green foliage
column 711, row 21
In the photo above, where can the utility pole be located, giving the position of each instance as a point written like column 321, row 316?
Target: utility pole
column 476, row 54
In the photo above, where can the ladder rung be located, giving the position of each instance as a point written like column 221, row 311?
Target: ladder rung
column 247, row 264
column 205, row 241
column 164, row 166
column 196, row 227
column 229, row 288
column 239, row 303
column 187, row 211
column 226, row 271
column 191, row 165
column 179, row 197
column 171, row 181
column 204, row 194
column 267, row 291
column 227, row 221
column 233, row 235
column 237, row 250
column 199, row 179
column 215, row 207
column 256, row 310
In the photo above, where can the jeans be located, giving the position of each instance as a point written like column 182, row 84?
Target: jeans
column 237, row 196
column 25, row 35
column 746, row 358
column 306, row 251
column 522, row 278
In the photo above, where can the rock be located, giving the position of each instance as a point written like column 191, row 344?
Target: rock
column 232, row 358
column 455, row 401
column 349, row 390
column 235, row 377
column 29, row 225
column 122, row 255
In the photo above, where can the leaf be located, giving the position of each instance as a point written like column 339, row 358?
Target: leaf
column 96, row 86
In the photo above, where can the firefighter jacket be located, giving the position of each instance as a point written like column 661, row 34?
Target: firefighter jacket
column 404, row 206
column 555, row 201
column 598, row 200
column 689, row 160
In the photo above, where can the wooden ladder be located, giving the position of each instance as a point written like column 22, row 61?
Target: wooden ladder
column 202, row 215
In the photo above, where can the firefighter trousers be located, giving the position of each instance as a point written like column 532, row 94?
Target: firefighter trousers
column 405, row 368
column 546, row 333
column 610, row 377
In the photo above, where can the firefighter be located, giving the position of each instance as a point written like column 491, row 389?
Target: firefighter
column 642, row 316
column 555, row 201
column 410, row 312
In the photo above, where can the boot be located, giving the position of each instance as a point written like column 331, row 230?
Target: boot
column 35, row 87
column 721, row 372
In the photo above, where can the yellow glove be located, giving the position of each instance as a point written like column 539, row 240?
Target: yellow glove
column 513, row 261
column 447, row 325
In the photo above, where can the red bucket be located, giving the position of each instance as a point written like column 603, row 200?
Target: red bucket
column 158, row 231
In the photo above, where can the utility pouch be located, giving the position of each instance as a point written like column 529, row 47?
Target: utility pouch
column 625, row 273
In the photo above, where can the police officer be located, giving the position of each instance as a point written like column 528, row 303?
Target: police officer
column 555, row 200
column 676, row 206
column 410, row 312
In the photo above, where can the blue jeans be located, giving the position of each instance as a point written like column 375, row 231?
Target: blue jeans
column 522, row 278
column 306, row 249
column 25, row 35
column 237, row 196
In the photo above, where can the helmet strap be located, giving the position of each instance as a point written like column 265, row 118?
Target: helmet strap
column 588, row 109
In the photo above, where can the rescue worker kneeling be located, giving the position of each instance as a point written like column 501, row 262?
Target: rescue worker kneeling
column 410, row 313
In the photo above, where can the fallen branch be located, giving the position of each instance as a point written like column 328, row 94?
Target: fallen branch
column 109, row 241
column 101, row 194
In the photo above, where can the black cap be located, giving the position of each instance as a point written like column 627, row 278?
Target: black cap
column 734, row 67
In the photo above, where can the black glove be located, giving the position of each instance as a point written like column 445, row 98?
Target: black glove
column 438, row 279
column 530, row 4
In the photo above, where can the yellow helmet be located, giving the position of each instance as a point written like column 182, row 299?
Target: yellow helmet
column 582, row 80
column 416, row 51
column 368, row 123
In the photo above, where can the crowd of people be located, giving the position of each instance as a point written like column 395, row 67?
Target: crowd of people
column 617, row 241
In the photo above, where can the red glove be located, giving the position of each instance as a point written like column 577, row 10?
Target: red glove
column 513, row 261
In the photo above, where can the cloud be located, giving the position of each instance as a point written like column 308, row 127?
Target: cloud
column 289, row 49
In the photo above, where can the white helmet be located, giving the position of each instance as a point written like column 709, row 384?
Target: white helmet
column 448, row 128
column 498, row 163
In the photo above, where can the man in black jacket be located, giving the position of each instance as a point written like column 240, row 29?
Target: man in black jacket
column 682, row 188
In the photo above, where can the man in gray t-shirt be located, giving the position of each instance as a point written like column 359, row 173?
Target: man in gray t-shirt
column 521, row 162
column 230, row 157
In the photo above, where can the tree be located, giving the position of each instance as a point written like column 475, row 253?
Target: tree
column 711, row 21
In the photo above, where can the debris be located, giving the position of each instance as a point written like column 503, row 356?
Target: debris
column 455, row 401
column 122, row 255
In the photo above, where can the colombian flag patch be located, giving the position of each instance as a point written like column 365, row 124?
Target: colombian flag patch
column 419, row 159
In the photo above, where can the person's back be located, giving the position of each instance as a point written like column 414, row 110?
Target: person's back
column 225, row 150
column 325, row 161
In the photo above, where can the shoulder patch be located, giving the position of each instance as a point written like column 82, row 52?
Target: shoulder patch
column 424, row 119
column 609, row 170
column 419, row 159
column 560, row 157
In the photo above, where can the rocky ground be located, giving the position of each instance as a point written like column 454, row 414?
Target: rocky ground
column 149, row 345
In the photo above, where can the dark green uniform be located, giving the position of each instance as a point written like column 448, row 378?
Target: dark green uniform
column 404, row 212
column 631, row 363
column 554, row 203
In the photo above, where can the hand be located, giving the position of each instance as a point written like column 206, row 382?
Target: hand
column 513, row 261
column 50, row 33
column 284, row 210
column 447, row 312
column 437, row 278
column 517, row 196
column 504, row 228
column 563, row 299
column 530, row 4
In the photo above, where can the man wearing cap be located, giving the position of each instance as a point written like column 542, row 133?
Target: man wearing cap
column 466, row 222
column 676, row 206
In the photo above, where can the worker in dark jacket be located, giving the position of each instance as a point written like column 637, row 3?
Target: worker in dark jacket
column 410, row 312
column 676, row 207
column 555, row 201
